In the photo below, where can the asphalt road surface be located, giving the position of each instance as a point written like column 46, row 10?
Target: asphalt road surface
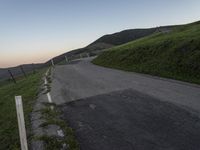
column 116, row 110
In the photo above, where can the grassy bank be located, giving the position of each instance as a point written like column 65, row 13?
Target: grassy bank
column 28, row 88
column 173, row 55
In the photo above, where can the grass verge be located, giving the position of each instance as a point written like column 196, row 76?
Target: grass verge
column 28, row 88
column 50, row 114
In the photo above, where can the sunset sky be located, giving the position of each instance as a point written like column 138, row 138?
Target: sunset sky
column 33, row 31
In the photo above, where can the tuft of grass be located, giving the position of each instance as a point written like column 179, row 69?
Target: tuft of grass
column 49, row 79
column 173, row 55
column 51, row 143
column 54, row 143
column 28, row 88
column 51, row 117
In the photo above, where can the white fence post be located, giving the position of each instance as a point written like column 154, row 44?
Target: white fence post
column 21, row 122
column 52, row 62
column 66, row 59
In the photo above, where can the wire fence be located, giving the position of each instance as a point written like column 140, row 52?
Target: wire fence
column 24, row 70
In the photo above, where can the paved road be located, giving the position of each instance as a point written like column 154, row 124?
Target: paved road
column 116, row 110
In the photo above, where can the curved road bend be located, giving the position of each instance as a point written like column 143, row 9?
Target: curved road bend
column 117, row 110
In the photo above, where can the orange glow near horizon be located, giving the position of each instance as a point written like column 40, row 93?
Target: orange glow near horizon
column 34, row 54
column 27, row 58
column 34, row 31
column 15, row 60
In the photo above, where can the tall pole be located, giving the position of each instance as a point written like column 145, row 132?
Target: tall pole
column 12, row 76
column 22, row 69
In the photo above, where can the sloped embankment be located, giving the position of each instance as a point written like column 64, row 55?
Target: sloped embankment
column 175, row 54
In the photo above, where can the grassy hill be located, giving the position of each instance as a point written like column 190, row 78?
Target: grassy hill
column 174, row 54
column 91, row 49
column 130, row 35
column 111, row 40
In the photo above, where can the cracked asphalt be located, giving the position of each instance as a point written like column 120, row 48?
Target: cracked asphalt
column 116, row 110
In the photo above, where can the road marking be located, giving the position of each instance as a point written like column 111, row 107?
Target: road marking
column 45, row 81
column 59, row 132
column 48, row 94
column 47, row 72
column 49, row 97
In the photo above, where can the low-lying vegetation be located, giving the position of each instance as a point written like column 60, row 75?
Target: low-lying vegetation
column 174, row 54
column 28, row 88
column 51, row 117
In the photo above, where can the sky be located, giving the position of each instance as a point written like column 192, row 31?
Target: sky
column 33, row 31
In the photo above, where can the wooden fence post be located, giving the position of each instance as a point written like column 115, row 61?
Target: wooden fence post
column 12, row 76
column 21, row 122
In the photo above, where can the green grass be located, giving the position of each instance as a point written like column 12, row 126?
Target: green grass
column 63, row 62
column 28, row 88
column 173, row 55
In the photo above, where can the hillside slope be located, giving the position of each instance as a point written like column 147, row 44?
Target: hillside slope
column 111, row 40
column 174, row 54
column 130, row 35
